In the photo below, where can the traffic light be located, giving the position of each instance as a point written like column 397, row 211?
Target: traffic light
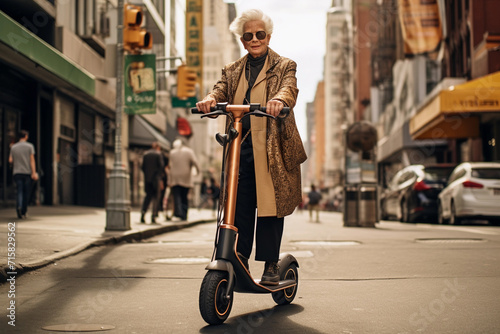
column 135, row 37
column 186, row 82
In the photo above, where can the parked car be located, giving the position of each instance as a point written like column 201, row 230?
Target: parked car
column 473, row 192
column 412, row 194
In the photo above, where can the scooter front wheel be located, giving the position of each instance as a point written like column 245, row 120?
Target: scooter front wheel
column 287, row 295
column 214, row 306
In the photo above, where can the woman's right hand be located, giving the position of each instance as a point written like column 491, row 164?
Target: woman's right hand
column 204, row 106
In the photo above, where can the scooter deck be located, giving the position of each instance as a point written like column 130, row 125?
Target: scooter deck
column 281, row 285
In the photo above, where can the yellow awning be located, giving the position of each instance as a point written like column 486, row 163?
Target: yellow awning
column 454, row 112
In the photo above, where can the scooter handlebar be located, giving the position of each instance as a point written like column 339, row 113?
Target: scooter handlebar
column 283, row 113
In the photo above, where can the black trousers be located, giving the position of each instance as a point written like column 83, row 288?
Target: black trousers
column 269, row 230
column 23, row 184
column 152, row 193
column 181, row 203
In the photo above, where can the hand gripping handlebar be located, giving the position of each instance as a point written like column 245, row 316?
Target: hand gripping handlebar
column 254, row 109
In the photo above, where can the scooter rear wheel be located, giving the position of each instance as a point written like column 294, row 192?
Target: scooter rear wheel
column 214, row 306
column 287, row 295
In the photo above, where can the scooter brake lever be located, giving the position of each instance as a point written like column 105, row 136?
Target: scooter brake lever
column 214, row 113
column 259, row 113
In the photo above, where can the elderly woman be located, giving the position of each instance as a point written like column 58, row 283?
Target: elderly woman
column 272, row 151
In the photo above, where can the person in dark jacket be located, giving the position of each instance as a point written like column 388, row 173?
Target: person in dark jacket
column 313, row 204
column 153, row 168
column 163, row 185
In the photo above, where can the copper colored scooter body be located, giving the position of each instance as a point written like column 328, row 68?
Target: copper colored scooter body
column 225, row 258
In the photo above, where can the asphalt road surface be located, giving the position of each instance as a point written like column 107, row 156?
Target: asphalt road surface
column 395, row 278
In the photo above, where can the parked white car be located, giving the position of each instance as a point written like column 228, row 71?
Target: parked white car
column 472, row 192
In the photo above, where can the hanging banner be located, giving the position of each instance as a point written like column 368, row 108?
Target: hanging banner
column 140, row 84
column 194, row 37
column 421, row 25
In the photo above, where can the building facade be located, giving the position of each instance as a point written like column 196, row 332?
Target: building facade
column 220, row 48
column 54, row 84
column 59, row 82
column 416, row 125
column 338, row 95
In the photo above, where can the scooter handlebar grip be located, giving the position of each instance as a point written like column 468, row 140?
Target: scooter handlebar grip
column 283, row 113
column 196, row 111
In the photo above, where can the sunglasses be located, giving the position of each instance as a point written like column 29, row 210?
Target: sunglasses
column 248, row 36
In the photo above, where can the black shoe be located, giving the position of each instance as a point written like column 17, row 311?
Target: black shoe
column 19, row 213
column 244, row 260
column 142, row 218
column 271, row 274
column 153, row 220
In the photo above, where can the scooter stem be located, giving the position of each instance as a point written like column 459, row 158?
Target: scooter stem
column 234, row 166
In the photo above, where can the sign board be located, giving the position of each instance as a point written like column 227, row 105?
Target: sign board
column 190, row 102
column 421, row 25
column 194, row 37
column 140, row 84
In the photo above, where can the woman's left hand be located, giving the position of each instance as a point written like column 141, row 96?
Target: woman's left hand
column 274, row 107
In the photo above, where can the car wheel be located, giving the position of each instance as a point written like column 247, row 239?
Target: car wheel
column 383, row 214
column 454, row 220
column 441, row 219
column 404, row 213
column 495, row 222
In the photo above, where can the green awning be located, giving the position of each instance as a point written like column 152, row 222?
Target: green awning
column 31, row 46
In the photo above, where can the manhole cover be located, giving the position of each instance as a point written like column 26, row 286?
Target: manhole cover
column 326, row 243
column 78, row 328
column 450, row 240
column 181, row 260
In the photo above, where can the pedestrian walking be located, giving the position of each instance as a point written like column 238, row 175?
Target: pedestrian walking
column 181, row 162
column 204, row 193
column 314, row 198
column 214, row 192
column 153, row 168
column 163, row 186
column 22, row 157
column 272, row 150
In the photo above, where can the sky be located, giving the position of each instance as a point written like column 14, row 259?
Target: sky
column 299, row 34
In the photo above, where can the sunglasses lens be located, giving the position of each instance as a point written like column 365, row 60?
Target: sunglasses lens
column 247, row 36
column 261, row 35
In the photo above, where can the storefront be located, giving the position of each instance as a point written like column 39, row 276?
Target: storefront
column 467, row 112
column 68, row 113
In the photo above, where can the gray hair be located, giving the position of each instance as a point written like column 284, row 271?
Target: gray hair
column 248, row 15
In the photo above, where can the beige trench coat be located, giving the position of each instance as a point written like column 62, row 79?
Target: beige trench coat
column 283, row 145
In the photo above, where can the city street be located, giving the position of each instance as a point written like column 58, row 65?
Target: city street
column 395, row 278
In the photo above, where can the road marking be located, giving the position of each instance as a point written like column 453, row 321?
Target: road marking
column 461, row 229
column 473, row 230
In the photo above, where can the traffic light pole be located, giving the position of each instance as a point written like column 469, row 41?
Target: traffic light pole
column 118, row 204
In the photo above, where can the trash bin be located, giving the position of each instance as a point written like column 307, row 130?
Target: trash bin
column 367, row 206
column 350, row 206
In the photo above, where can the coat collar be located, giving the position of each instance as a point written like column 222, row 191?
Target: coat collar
column 273, row 58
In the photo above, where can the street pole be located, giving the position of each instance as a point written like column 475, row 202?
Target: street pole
column 118, row 204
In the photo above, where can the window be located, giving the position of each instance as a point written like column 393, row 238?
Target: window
column 486, row 173
column 91, row 22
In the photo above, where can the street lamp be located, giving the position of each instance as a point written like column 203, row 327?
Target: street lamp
column 118, row 204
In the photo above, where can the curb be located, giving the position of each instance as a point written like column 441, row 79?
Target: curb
column 22, row 268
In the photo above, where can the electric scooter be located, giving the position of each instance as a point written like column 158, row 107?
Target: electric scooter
column 227, row 271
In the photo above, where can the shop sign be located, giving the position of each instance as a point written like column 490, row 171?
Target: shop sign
column 140, row 84
column 194, row 38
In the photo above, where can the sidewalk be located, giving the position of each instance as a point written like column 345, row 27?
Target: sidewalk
column 51, row 233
